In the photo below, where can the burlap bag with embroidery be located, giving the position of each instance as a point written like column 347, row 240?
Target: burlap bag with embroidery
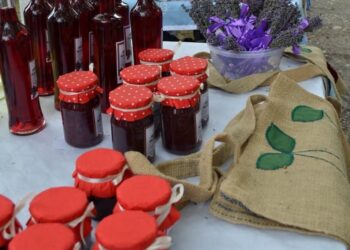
column 290, row 167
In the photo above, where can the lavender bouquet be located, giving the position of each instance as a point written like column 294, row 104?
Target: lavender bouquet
column 249, row 36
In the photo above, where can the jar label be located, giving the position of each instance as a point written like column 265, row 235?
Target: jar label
column 48, row 49
column 78, row 48
column 127, row 35
column 120, row 59
column 33, row 79
column 205, row 105
column 91, row 47
column 98, row 120
column 199, row 126
column 150, row 141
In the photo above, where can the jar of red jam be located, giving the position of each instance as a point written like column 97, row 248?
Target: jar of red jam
column 44, row 237
column 132, row 120
column 158, row 57
column 81, row 108
column 196, row 67
column 180, row 114
column 65, row 205
column 147, row 76
column 98, row 172
column 9, row 225
column 131, row 230
column 153, row 195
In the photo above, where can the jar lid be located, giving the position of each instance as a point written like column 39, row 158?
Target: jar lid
column 100, row 162
column 143, row 192
column 58, row 204
column 131, row 230
column 140, row 74
column 178, row 85
column 45, row 236
column 77, row 81
column 6, row 210
column 189, row 66
column 156, row 55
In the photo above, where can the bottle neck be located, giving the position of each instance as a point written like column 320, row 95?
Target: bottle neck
column 7, row 11
column 61, row 3
column 145, row 2
column 106, row 6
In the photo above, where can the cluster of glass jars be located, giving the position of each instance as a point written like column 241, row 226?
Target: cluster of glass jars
column 158, row 97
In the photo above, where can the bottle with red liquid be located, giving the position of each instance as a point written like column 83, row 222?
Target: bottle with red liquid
column 96, row 6
column 65, row 41
column 85, row 12
column 18, row 72
column 35, row 16
column 146, row 26
column 109, row 49
column 122, row 9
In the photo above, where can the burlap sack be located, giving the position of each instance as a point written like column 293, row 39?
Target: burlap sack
column 314, row 64
column 289, row 169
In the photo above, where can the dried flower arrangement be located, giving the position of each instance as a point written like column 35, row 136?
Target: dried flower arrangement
column 251, row 25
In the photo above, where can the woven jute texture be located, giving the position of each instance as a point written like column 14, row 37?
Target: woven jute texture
column 289, row 170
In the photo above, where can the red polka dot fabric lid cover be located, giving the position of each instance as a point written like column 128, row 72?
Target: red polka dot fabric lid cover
column 146, row 193
column 161, row 57
column 78, row 87
column 6, row 212
column 179, row 91
column 48, row 236
column 102, row 164
column 131, row 230
column 130, row 103
column 60, row 205
column 190, row 66
column 147, row 75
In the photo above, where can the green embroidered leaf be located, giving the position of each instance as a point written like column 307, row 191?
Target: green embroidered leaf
column 305, row 50
column 279, row 140
column 274, row 161
column 304, row 113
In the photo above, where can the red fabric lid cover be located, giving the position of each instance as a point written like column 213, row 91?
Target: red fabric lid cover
column 48, row 236
column 78, row 87
column 6, row 210
column 161, row 57
column 59, row 204
column 179, row 86
column 131, row 230
column 140, row 74
column 125, row 101
column 98, row 164
column 189, row 66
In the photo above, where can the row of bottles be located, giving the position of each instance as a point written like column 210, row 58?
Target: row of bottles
column 67, row 36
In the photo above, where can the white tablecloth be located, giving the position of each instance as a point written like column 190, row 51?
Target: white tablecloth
column 34, row 163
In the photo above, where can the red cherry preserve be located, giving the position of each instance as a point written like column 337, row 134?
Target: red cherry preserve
column 146, row 26
column 109, row 49
column 65, row 42
column 85, row 13
column 35, row 16
column 122, row 9
column 18, row 72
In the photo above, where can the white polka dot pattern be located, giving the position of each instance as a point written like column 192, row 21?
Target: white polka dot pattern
column 189, row 66
column 140, row 74
column 156, row 55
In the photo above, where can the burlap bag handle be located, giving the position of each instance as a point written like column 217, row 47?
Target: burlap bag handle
column 205, row 163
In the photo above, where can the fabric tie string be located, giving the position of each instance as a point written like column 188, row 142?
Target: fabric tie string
column 77, row 246
column 163, row 242
column 96, row 88
column 9, row 229
column 159, row 97
column 115, row 179
column 154, row 83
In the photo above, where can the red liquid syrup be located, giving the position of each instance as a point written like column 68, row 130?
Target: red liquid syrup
column 65, row 42
column 17, row 67
column 109, row 49
column 146, row 26
column 122, row 9
column 86, row 12
column 35, row 16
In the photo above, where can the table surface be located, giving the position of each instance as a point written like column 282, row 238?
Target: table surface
column 30, row 164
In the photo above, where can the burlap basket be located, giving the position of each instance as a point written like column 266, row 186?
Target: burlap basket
column 289, row 170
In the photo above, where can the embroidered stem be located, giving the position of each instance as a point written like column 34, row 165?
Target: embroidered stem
column 322, row 159
column 318, row 150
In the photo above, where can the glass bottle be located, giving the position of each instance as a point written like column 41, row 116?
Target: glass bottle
column 109, row 49
column 146, row 26
column 65, row 43
column 122, row 9
column 35, row 16
column 17, row 67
